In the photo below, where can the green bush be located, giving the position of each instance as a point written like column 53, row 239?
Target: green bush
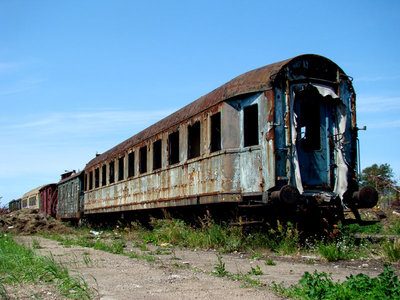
column 321, row 286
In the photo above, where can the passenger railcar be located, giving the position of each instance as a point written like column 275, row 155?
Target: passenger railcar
column 281, row 135
column 31, row 199
column 48, row 199
column 14, row 205
column 70, row 196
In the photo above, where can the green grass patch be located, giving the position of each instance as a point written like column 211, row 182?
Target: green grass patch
column 321, row 286
column 19, row 264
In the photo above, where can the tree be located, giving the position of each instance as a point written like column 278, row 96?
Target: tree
column 380, row 177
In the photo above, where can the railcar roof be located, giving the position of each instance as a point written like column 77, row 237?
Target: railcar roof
column 74, row 175
column 257, row 80
column 33, row 192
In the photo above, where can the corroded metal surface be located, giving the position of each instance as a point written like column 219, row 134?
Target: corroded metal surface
column 70, row 196
column 257, row 80
column 238, row 170
column 48, row 199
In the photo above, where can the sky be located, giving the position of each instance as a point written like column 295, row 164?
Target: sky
column 79, row 77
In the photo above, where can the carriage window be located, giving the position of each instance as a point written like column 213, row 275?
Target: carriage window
column 111, row 174
column 131, row 164
column 96, row 177
column 32, row 201
column 104, row 175
column 143, row 160
column 250, row 125
column 91, row 180
column 216, row 132
column 194, row 140
column 121, row 168
column 157, row 155
column 310, row 127
column 173, row 148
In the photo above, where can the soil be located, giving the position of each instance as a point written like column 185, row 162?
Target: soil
column 31, row 221
column 176, row 273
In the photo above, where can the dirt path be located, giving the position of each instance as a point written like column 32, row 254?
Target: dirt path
column 185, row 274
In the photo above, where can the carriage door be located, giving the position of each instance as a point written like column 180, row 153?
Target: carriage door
column 314, row 123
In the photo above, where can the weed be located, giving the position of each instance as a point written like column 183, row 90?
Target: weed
column 35, row 244
column 255, row 271
column 341, row 248
column 391, row 250
column 320, row 286
column 3, row 292
column 19, row 264
column 86, row 259
column 256, row 255
column 219, row 268
column 284, row 239
column 145, row 257
column 270, row 262
column 141, row 246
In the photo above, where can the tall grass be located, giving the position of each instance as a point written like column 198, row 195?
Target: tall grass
column 19, row 264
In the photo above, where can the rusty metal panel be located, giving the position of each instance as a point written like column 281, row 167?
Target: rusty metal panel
column 70, row 196
column 48, row 199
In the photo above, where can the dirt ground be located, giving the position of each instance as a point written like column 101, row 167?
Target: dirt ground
column 181, row 273
column 174, row 273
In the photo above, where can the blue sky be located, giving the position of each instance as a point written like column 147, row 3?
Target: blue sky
column 79, row 77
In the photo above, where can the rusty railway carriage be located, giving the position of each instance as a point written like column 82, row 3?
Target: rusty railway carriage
column 31, row 199
column 48, row 199
column 284, row 134
column 14, row 205
column 70, row 196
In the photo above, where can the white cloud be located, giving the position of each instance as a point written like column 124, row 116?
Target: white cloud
column 86, row 123
column 377, row 104
column 385, row 124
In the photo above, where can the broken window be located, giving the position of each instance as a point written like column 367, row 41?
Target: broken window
column 194, row 140
column 173, row 148
column 104, row 175
column 157, row 155
column 96, row 177
column 143, row 160
column 250, row 125
column 131, row 164
column 91, row 180
column 215, row 132
column 112, row 173
column 32, row 201
column 309, row 125
column 121, row 168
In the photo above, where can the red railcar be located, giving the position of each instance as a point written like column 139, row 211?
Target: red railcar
column 48, row 199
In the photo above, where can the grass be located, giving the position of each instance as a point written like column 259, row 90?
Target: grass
column 321, row 286
column 19, row 264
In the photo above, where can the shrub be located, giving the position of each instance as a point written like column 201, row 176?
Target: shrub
column 321, row 286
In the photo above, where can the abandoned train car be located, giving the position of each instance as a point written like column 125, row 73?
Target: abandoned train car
column 31, row 199
column 48, row 196
column 282, row 134
column 14, row 205
column 70, row 196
